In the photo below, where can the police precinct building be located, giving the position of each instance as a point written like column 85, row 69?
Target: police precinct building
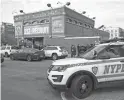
column 55, row 27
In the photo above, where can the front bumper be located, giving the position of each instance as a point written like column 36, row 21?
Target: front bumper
column 37, row 57
column 57, row 87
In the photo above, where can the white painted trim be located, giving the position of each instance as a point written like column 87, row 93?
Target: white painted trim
column 82, row 37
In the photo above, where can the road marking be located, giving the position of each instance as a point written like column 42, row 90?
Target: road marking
column 63, row 96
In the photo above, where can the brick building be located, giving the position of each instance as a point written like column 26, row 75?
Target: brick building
column 114, row 32
column 7, row 33
column 45, row 27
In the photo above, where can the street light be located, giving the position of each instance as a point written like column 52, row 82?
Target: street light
column 59, row 2
column 49, row 5
column 84, row 12
column 94, row 17
column 21, row 11
column 68, row 3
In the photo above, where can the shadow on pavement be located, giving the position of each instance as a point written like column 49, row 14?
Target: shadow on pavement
column 106, row 93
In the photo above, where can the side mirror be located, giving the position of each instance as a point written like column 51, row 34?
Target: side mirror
column 95, row 53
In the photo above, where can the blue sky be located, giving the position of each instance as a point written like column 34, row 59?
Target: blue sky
column 107, row 12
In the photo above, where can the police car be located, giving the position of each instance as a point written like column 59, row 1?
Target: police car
column 103, row 63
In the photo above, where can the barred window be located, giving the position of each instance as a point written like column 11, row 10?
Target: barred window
column 42, row 21
column 69, row 20
column 75, row 22
column 34, row 22
column 47, row 21
column 27, row 23
column 80, row 23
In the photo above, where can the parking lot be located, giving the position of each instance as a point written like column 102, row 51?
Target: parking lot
column 22, row 80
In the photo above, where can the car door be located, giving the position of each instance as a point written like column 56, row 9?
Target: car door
column 20, row 54
column 112, row 64
column 48, row 51
column 3, row 49
column 8, row 50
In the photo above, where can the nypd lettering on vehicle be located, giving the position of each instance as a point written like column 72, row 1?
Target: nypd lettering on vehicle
column 115, row 68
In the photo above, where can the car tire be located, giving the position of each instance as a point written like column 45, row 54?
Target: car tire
column 6, row 54
column 29, row 58
column 54, row 56
column 12, row 57
column 81, row 86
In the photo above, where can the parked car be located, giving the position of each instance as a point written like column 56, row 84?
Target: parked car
column 55, row 52
column 28, row 54
column 7, row 50
column 2, row 58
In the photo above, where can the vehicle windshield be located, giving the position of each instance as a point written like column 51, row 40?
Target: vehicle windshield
column 90, row 53
column 62, row 48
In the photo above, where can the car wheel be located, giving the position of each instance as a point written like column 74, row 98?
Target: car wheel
column 6, row 54
column 81, row 86
column 54, row 56
column 12, row 57
column 29, row 58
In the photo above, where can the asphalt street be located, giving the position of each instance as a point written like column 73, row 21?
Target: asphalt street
column 22, row 80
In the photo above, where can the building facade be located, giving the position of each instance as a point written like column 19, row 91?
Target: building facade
column 114, row 32
column 45, row 27
column 7, row 34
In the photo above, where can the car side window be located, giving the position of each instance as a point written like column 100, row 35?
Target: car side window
column 54, row 48
column 45, row 48
column 121, row 51
column 14, row 47
column 50, row 48
column 3, row 48
column 21, row 50
column 110, row 52
column 8, row 48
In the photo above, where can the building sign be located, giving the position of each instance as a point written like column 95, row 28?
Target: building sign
column 57, row 24
column 36, row 30
column 39, row 14
column 18, row 29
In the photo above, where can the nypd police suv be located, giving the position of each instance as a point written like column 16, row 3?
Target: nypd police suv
column 102, row 63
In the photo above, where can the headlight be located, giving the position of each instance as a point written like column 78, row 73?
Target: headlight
column 59, row 68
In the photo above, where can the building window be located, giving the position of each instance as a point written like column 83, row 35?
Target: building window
column 86, row 25
column 116, row 31
column 111, row 35
column 98, row 34
column 27, row 23
column 107, row 31
column 75, row 22
column 47, row 21
column 111, row 31
column 34, row 22
column 69, row 20
column 42, row 21
column 92, row 27
column 80, row 23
